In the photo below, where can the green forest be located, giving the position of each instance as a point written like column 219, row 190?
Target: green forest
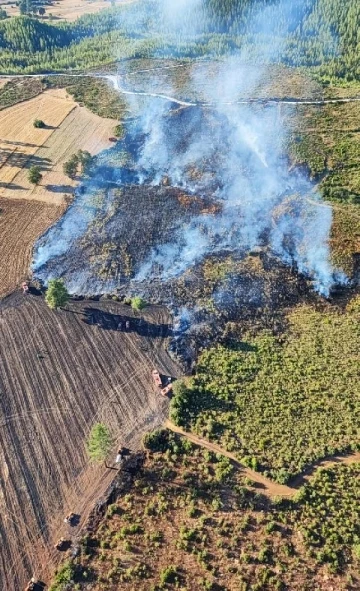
column 320, row 34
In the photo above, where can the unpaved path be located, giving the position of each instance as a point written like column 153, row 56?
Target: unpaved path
column 269, row 488
column 115, row 81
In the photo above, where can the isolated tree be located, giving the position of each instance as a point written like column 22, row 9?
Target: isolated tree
column 84, row 158
column 71, row 166
column 39, row 123
column 3, row 14
column 34, row 175
column 99, row 443
column 57, row 295
column 119, row 131
column 41, row 11
column 137, row 303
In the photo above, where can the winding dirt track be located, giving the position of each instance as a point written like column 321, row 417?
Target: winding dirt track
column 61, row 372
column 115, row 81
column 268, row 487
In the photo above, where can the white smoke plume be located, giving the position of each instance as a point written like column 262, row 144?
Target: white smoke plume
column 247, row 171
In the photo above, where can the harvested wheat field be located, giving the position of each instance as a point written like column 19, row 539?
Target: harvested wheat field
column 21, row 223
column 60, row 373
column 68, row 10
column 69, row 128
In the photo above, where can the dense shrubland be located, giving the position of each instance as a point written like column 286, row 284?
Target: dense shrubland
column 281, row 403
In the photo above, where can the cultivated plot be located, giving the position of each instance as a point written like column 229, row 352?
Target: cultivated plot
column 21, row 223
column 68, row 128
column 60, row 373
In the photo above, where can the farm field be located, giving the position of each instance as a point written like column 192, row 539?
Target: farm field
column 190, row 521
column 66, row 10
column 61, row 372
column 69, row 128
column 21, row 223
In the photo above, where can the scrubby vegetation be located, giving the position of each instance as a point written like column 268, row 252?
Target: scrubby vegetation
column 281, row 403
column 325, row 514
column 326, row 140
column 190, row 521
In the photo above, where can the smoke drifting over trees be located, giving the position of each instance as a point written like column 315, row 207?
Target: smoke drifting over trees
column 229, row 152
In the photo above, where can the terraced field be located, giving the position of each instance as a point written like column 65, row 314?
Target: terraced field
column 61, row 372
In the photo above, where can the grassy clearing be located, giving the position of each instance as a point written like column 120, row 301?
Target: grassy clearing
column 280, row 404
column 190, row 522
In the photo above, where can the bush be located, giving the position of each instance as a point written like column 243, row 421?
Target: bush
column 99, row 443
column 56, row 294
column 119, row 131
column 169, row 575
column 39, row 123
column 64, row 577
column 137, row 303
column 71, row 166
column 34, row 175
column 157, row 440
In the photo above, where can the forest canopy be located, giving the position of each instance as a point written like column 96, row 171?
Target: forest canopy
column 319, row 34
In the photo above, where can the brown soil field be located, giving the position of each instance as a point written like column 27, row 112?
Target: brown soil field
column 21, row 223
column 68, row 10
column 60, row 373
column 69, row 128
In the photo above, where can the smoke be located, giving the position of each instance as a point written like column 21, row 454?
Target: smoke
column 222, row 148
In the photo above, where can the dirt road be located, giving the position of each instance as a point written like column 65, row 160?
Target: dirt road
column 268, row 487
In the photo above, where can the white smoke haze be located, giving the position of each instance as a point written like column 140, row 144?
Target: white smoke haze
column 238, row 151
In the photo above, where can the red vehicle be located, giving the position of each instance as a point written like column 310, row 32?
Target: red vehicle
column 157, row 378
column 112, row 139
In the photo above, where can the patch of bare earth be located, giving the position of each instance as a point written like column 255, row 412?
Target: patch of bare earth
column 60, row 373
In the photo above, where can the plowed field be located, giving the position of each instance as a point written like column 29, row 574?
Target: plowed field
column 61, row 372
column 21, row 222
column 69, row 128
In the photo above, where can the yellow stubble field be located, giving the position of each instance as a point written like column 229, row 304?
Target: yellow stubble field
column 69, row 128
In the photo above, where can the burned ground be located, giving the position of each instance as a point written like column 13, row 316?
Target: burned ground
column 61, row 372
